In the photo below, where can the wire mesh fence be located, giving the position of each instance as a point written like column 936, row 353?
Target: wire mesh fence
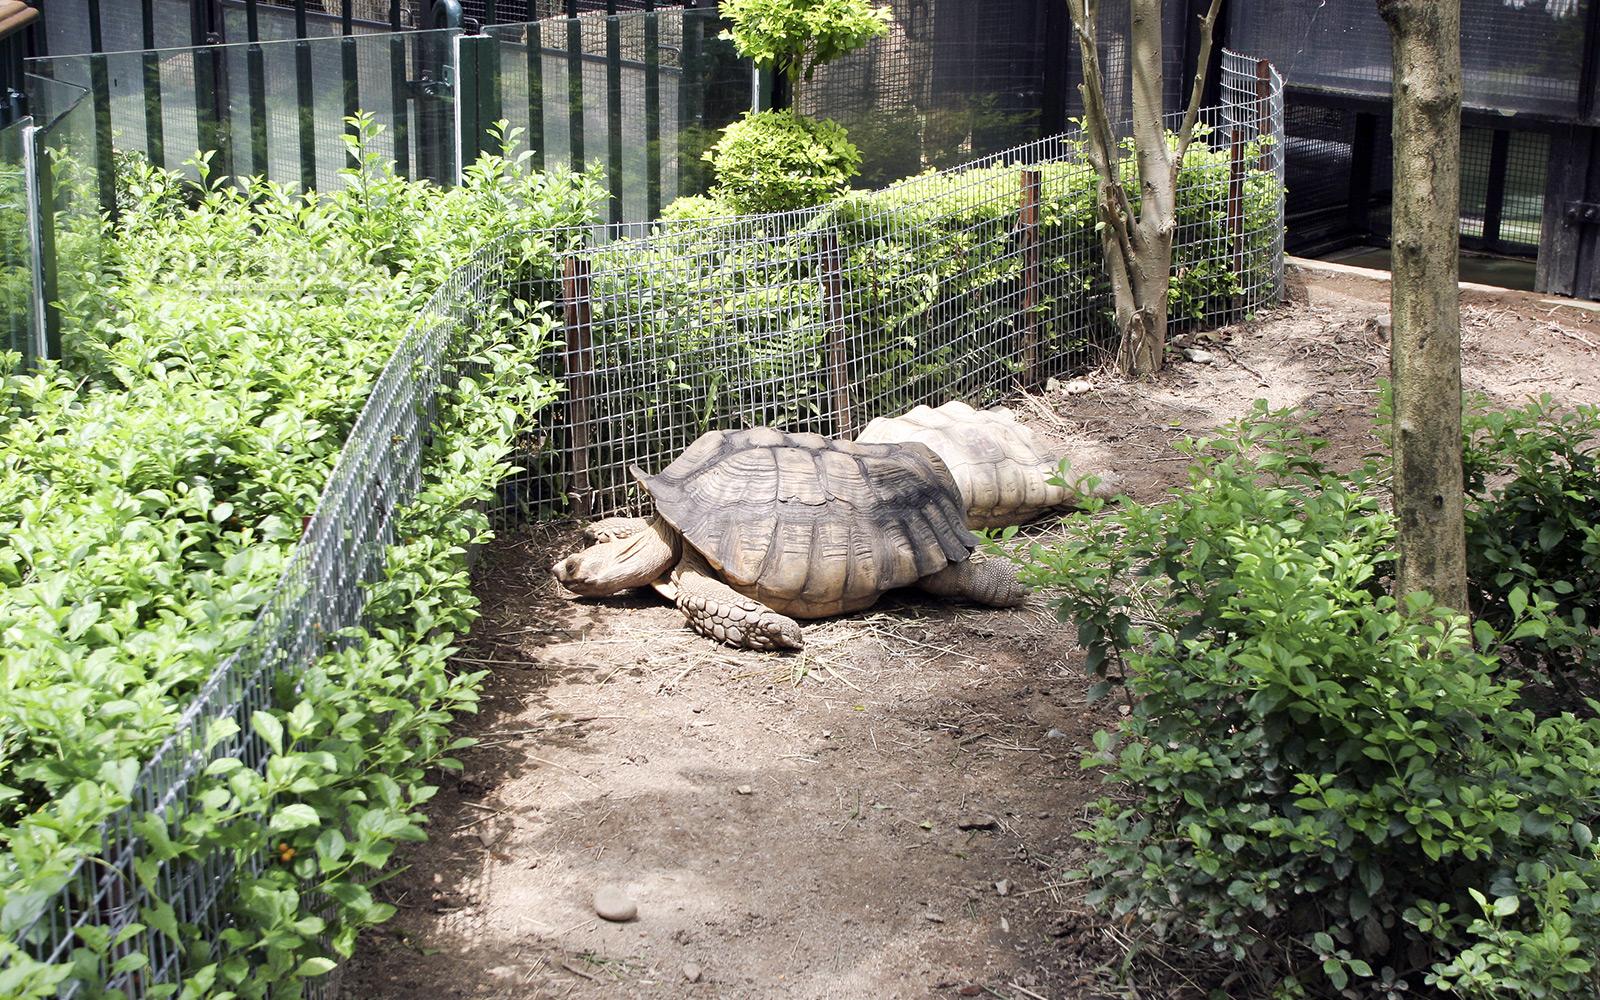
column 322, row 592
column 962, row 284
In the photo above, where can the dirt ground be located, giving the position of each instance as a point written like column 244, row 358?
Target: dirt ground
column 889, row 814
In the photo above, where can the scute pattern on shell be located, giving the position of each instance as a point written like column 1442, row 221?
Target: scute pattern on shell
column 805, row 524
column 997, row 463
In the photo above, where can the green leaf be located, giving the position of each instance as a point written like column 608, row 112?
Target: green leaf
column 267, row 726
column 294, row 817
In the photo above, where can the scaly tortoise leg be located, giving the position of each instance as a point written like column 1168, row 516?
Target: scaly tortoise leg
column 614, row 529
column 719, row 612
column 980, row 580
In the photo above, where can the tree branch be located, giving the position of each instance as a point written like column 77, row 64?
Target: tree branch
column 1117, row 219
column 1191, row 114
column 1102, row 143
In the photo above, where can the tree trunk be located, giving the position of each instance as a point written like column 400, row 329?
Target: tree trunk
column 1425, row 358
column 1138, row 247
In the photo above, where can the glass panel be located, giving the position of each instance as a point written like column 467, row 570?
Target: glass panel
column 16, row 272
column 70, row 152
column 679, row 85
column 1517, row 55
column 277, row 108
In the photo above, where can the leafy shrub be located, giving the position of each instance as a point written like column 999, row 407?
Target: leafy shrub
column 1533, row 532
column 1313, row 776
column 1551, row 956
column 777, row 161
column 152, row 490
column 794, row 37
column 717, row 321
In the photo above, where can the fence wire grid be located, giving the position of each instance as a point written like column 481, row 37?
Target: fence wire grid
column 965, row 284
column 322, row 592
column 968, row 283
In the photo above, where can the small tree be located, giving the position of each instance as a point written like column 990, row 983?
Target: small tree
column 773, row 161
column 1137, row 243
column 1425, row 355
column 793, row 37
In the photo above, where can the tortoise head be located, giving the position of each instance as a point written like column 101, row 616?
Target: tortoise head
column 611, row 567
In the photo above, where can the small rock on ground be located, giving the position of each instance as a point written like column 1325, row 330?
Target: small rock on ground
column 691, row 972
column 977, row 823
column 612, row 903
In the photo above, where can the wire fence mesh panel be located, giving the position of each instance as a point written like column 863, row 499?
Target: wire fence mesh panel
column 322, row 592
column 967, row 283
column 962, row 284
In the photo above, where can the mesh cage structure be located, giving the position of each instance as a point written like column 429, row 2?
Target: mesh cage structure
column 956, row 80
column 960, row 284
column 1516, row 55
column 322, row 591
column 963, row 284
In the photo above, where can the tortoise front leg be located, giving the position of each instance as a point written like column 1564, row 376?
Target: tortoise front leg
column 983, row 581
column 614, row 529
column 719, row 612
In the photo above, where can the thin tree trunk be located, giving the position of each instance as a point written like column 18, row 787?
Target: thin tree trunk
column 1137, row 246
column 1425, row 358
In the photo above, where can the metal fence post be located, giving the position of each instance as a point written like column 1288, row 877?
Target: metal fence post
column 614, row 109
column 479, row 80
column 535, row 43
column 1028, row 320
column 834, row 330
column 399, row 93
column 154, row 122
column 305, row 98
column 1234, row 213
column 575, row 84
column 652, row 109
column 1264, row 122
column 46, row 333
column 347, row 64
column 577, row 311
column 100, row 91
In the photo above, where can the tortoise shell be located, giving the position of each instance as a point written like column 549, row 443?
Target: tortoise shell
column 997, row 463
column 810, row 526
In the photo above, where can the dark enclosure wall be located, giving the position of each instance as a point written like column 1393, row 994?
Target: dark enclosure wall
column 959, row 79
column 1530, row 171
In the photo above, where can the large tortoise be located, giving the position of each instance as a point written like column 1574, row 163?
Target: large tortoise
column 1001, row 468
column 755, row 528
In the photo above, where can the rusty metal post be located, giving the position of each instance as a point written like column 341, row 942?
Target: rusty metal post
column 577, row 311
column 1028, row 320
column 1264, row 122
column 832, row 272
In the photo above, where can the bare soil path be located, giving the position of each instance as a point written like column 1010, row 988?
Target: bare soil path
column 889, row 815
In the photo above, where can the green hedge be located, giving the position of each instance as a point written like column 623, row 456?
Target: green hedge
column 1321, row 790
column 152, row 489
column 713, row 321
